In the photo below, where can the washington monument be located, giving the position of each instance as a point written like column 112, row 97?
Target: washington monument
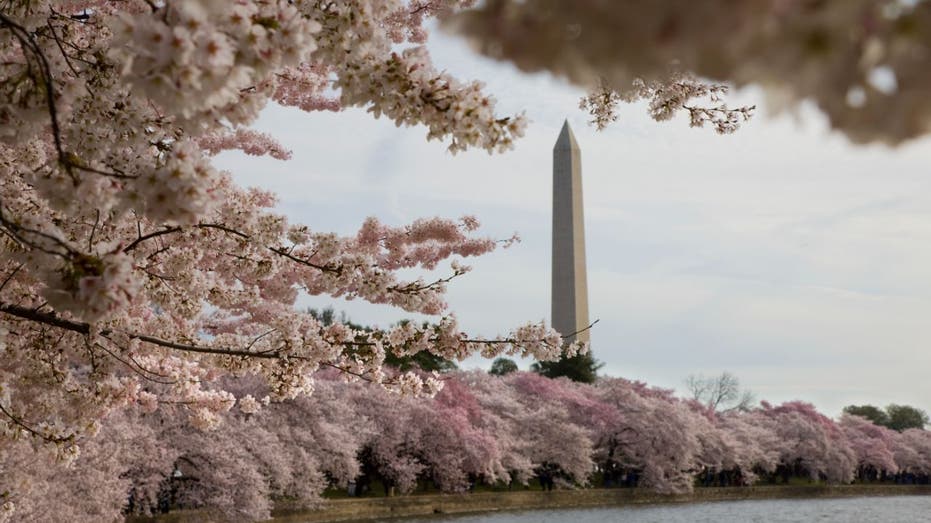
column 570, row 285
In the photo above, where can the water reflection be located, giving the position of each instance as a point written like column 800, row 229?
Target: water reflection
column 900, row 509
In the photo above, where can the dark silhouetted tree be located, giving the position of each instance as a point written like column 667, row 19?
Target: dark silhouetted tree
column 582, row 368
column 902, row 417
column 895, row 417
column 502, row 366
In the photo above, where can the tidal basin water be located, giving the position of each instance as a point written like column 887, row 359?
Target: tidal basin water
column 899, row 509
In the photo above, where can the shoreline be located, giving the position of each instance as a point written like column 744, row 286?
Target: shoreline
column 367, row 509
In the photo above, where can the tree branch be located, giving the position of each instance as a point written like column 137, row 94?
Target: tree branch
column 54, row 320
column 25, row 426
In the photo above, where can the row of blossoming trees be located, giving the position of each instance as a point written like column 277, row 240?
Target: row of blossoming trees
column 479, row 429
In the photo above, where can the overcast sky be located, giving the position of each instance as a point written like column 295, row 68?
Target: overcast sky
column 782, row 254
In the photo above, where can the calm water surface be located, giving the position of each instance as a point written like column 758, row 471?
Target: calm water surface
column 899, row 509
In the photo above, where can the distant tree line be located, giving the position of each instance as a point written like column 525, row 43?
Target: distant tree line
column 521, row 430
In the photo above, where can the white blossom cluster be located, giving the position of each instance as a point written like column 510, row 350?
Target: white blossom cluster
column 179, row 189
column 404, row 85
column 93, row 287
column 196, row 57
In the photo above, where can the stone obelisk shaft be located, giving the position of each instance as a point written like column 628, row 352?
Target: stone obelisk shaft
column 570, row 285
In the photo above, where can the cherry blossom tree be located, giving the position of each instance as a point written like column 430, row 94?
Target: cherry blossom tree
column 874, row 446
column 577, row 398
column 469, row 437
column 811, row 442
column 125, row 460
column 290, row 450
column 445, row 441
column 133, row 272
column 913, row 452
column 229, row 472
column 653, row 436
column 144, row 463
column 323, row 429
column 535, row 428
column 754, row 445
column 502, row 410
